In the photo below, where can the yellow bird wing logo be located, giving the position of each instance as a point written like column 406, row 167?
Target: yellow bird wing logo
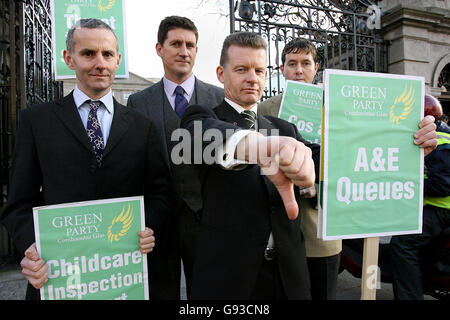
column 103, row 8
column 122, row 222
column 403, row 105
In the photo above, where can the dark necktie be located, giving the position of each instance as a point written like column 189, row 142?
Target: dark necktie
column 250, row 118
column 94, row 131
column 180, row 101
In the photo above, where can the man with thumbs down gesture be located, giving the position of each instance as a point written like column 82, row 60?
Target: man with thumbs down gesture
column 250, row 245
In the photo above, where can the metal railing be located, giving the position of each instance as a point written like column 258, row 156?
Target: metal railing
column 342, row 31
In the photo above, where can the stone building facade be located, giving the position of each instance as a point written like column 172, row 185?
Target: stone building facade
column 122, row 88
column 418, row 35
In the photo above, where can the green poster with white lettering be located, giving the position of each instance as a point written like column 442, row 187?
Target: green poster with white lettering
column 372, row 172
column 92, row 249
column 67, row 12
column 302, row 106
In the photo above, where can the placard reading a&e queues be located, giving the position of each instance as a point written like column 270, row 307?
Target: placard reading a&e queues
column 372, row 171
column 92, row 250
column 302, row 106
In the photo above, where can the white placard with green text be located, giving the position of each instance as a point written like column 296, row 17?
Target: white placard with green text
column 372, row 172
column 92, row 249
column 67, row 12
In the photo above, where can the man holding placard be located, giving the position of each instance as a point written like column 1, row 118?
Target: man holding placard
column 299, row 64
column 85, row 146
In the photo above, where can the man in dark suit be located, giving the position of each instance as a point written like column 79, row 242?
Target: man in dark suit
column 299, row 63
column 85, row 146
column 249, row 248
column 251, row 245
column 177, row 47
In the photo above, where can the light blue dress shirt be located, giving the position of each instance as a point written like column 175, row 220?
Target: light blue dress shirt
column 188, row 86
column 104, row 114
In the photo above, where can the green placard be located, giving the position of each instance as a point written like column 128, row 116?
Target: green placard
column 372, row 173
column 92, row 250
column 67, row 12
column 302, row 106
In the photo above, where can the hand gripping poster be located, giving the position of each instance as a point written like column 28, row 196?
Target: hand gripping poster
column 92, row 250
column 371, row 171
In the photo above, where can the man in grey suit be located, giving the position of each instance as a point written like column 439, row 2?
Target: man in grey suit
column 165, row 102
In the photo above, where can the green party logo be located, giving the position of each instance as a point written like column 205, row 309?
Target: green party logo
column 106, row 7
column 402, row 106
column 120, row 225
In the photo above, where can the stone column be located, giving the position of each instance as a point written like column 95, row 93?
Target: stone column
column 418, row 35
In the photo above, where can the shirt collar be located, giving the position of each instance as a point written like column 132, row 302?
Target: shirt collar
column 188, row 85
column 80, row 98
column 239, row 109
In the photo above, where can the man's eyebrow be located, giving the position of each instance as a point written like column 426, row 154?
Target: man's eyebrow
column 84, row 50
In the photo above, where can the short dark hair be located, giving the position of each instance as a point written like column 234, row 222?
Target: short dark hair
column 174, row 22
column 298, row 45
column 241, row 39
column 90, row 23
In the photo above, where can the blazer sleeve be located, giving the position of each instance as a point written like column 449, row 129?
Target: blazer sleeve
column 24, row 189
column 199, row 119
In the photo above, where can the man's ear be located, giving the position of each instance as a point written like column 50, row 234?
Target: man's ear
column 158, row 48
column 282, row 70
column 219, row 73
column 119, row 59
column 68, row 59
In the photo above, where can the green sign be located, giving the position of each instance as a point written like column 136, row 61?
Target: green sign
column 372, row 173
column 302, row 106
column 67, row 12
column 92, row 250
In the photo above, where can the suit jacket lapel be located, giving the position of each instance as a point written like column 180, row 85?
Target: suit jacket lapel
column 154, row 109
column 119, row 126
column 227, row 113
column 67, row 112
column 202, row 95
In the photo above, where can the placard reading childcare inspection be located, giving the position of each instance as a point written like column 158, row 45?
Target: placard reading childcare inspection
column 92, row 250
column 372, row 173
column 302, row 106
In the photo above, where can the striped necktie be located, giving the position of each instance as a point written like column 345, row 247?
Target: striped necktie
column 250, row 118
column 94, row 131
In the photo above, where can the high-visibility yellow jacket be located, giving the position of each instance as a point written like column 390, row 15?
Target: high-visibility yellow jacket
column 437, row 170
